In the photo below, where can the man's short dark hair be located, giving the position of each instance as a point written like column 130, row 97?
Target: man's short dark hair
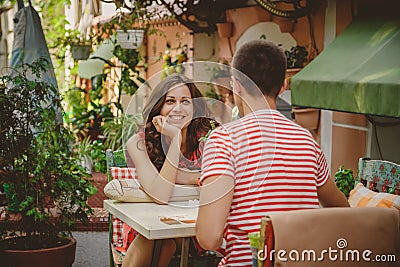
column 264, row 63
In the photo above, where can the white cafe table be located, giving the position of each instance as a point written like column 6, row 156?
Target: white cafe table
column 145, row 219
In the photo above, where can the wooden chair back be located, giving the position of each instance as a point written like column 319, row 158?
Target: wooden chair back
column 345, row 233
column 115, row 159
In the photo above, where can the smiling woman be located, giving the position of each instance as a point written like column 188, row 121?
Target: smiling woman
column 176, row 102
column 167, row 151
column 177, row 109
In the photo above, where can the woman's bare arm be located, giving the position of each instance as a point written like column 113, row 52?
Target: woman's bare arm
column 159, row 185
column 330, row 196
column 186, row 176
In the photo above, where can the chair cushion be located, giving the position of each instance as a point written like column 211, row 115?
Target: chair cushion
column 126, row 190
column 117, row 173
column 361, row 196
column 123, row 173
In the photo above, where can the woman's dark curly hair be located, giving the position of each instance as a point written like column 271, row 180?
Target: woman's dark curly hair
column 199, row 126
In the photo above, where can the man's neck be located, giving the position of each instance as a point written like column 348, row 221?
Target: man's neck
column 255, row 104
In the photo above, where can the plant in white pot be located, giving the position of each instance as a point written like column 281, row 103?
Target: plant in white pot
column 132, row 26
column 46, row 188
column 130, row 38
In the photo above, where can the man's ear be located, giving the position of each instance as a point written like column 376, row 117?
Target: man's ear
column 284, row 86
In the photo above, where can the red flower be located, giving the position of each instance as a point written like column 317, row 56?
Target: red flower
column 393, row 170
column 381, row 167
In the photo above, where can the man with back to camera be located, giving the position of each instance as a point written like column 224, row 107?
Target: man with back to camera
column 259, row 164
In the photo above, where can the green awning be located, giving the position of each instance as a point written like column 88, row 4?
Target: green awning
column 358, row 72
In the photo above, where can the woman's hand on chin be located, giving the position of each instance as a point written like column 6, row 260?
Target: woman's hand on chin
column 162, row 126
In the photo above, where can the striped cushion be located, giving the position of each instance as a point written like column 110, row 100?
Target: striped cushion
column 360, row 196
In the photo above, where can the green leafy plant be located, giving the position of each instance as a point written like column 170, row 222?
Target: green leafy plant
column 68, row 40
column 120, row 129
column 130, row 76
column 204, row 138
column 87, row 112
column 88, row 115
column 344, row 180
column 170, row 66
column 47, row 189
column 92, row 155
column 139, row 16
column 296, row 57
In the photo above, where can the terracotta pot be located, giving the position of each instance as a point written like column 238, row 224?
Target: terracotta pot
column 307, row 117
column 225, row 29
column 289, row 74
column 63, row 256
column 130, row 39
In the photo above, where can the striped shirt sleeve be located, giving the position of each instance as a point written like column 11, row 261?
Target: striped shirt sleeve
column 217, row 155
column 323, row 170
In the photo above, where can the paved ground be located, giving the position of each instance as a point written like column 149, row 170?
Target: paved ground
column 91, row 249
column 92, row 239
column 92, row 246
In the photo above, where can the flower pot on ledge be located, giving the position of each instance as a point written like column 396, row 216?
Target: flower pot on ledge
column 289, row 74
column 307, row 117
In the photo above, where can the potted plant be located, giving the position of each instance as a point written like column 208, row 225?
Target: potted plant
column 169, row 65
column 129, row 27
column 46, row 188
column 120, row 129
column 344, row 180
column 88, row 113
column 130, row 39
column 79, row 44
column 80, row 51
column 307, row 117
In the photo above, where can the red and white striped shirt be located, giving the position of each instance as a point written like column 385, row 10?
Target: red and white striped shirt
column 276, row 165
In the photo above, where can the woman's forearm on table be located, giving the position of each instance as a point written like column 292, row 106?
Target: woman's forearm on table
column 186, row 176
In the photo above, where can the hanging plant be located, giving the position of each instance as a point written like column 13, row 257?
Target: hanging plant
column 80, row 51
column 130, row 39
